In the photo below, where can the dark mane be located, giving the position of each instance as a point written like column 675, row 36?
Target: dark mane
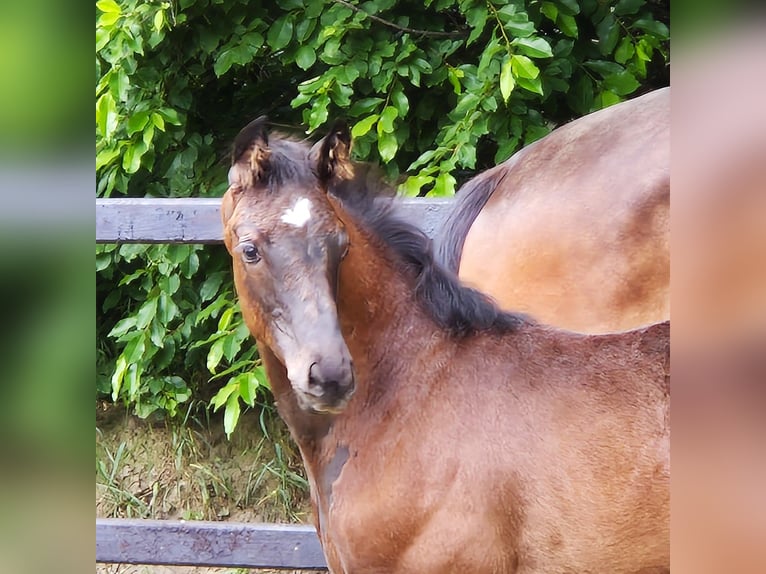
column 453, row 306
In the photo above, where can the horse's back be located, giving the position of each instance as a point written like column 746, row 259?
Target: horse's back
column 575, row 228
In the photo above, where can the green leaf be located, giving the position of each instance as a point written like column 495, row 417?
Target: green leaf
column 476, row 18
column 412, row 186
column 166, row 308
column 171, row 116
column 107, row 19
column 536, row 47
column 507, row 82
column 131, row 160
column 103, row 36
column 105, row 157
column 621, row 84
column 146, row 313
column 364, row 106
column 571, row 7
column 387, row 146
column 400, row 101
column 210, row 286
column 414, row 76
column 119, row 84
column 280, row 33
column 608, row 34
column 157, row 334
column 624, row 51
column 248, row 385
column 644, row 50
column 363, row 126
column 423, row 65
column 305, row 57
column 223, row 394
column 304, row 28
column 224, row 62
column 178, row 253
column 563, row 48
column 214, row 355
column 653, row 27
column 159, row 19
column 260, row 376
column 454, row 79
column 425, row 158
column 386, row 122
column 225, row 320
column 505, row 149
column 467, row 103
column 190, row 265
column 608, row 99
column 135, row 348
column 251, row 42
column 318, row 113
column 171, row 283
column 117, row 377
column 519, row 26
column 604, row 68
column 444, row 185
column 549, row 10
column 625, row 7
column 231, row 346
column 148, row 135
column 137, row 122
column 106, row 115
column 109, row 6
column 133, row 378
column 568, row 25
column 531, row 84
column 231, row 414
column 534, row 133
column 103, row 260
column 523, row 67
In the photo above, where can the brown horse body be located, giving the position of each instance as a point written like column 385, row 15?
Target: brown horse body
column 574, row 229
column 465, row 440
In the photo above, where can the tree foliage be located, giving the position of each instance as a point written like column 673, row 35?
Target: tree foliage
column 434, row 91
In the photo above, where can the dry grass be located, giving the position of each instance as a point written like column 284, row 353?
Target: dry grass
column 193, row 472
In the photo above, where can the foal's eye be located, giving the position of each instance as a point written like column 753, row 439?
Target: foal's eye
column 250, row 253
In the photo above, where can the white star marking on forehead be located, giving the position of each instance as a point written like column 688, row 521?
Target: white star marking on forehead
column 299, row 214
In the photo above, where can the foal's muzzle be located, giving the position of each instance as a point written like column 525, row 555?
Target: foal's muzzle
column 330, row 385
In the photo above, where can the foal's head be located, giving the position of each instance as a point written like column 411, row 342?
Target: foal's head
column 286, row 244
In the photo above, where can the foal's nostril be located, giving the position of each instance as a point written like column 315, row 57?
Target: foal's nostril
column 314, row 377
column 331, row 386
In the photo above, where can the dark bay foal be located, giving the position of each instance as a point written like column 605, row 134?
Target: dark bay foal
column 439, row 434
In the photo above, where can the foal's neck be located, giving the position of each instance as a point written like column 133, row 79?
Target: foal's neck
column 381, row 319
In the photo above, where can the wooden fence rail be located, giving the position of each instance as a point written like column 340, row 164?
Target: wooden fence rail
column 198, row 543
column 199, row 220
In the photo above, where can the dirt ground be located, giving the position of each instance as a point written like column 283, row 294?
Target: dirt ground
column 193, row 472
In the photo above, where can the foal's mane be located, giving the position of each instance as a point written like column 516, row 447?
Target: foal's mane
column 362, row 191
column 455, row 307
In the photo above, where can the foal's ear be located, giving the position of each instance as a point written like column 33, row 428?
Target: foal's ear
column 250, row 153
column 228, row 204
column 334, row 153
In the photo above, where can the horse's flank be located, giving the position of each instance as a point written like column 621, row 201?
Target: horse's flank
column 574, row 229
